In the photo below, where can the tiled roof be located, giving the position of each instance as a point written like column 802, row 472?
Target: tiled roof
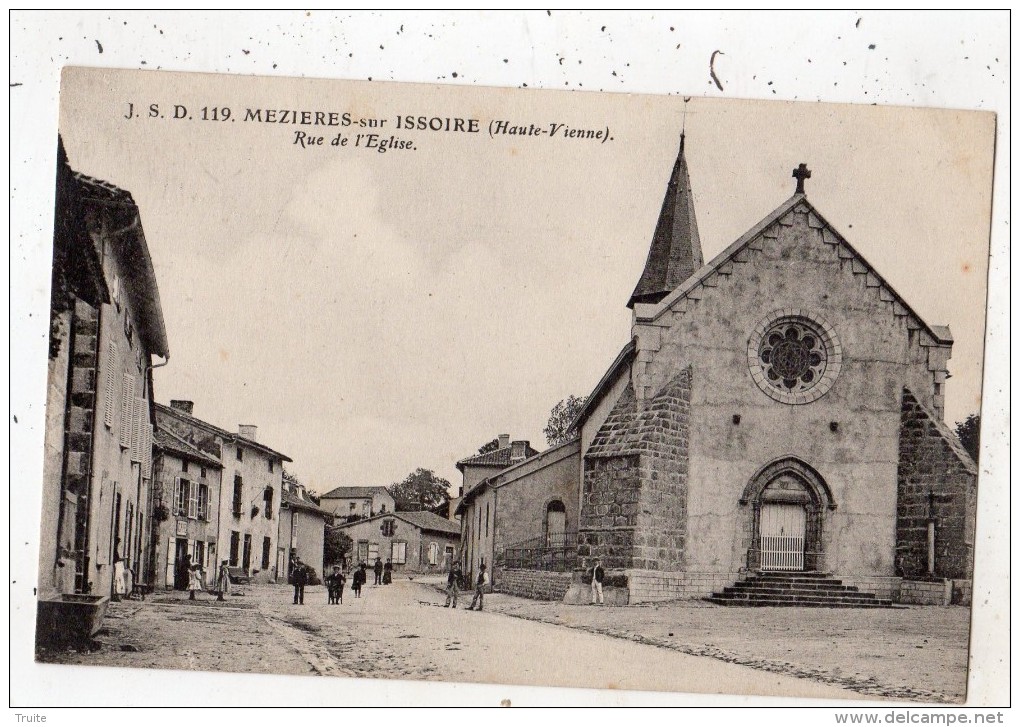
column 423, row 520
column 426, row 520
column 293, row 500
column 495, row 458
column 171, row 443
column 232, row 437
column 103, row 190
column 354, row 492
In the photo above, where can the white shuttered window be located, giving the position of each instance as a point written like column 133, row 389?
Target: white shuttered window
column 127, row 409
column 110, row 394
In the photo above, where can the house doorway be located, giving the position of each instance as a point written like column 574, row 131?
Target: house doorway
column 555, row 524
column 181, row 561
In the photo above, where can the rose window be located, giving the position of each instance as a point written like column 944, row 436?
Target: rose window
column 793, row 358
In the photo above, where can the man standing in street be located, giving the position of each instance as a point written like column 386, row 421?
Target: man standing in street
column 480, row 583
column 453, row 584
column 300, row 578
column 378, row 572
column 598, row 574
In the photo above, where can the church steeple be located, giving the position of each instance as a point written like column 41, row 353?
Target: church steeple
column 675, row 253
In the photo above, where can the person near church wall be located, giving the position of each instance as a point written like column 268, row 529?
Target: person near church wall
column 480, row 584
column 598, row 575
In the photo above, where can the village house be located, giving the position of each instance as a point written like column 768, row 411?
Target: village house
column 414, row 542
column 477, row 502
column 250, row 493
column 776, row 411
column 302, row 530
column 106, row 327
column 186, row 510
column 357, row 502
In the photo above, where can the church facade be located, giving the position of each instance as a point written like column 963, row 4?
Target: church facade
column 779, row 408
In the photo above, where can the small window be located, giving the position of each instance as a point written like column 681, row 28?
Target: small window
column 433, row 553
column 182, row 499
column 389, row 528
column 267, row 498
column 270, row 465
column 240, row 454
column 184, row 465
column 238, row 494
column 398, row 552
column 203, row 473
column 352, row 507
column 203, row 502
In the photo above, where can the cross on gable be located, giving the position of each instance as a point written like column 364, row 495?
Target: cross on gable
column 801, row 173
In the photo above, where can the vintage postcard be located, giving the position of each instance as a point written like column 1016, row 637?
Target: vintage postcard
column 520, row 387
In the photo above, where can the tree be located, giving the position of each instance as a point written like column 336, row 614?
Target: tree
column 557, row 430
column 489, row 446
column 421, row 490
column 337, row 545
column 969, row 432
column 291, row 479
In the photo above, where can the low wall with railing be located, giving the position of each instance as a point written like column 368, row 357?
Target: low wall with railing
column 539, row 585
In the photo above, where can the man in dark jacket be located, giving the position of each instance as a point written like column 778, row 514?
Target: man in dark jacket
column 300, row 578
column 480, row 583
column 378, row 572
column 453, row 584
column 598, row 574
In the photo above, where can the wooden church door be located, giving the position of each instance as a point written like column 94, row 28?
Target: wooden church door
column 782, row 536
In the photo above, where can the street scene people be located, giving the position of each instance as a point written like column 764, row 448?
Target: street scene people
column 223, row 581
column 358, row 580
column 195, row 580
column 387, row 573
column 378, row 569
column 453, row 584
column 480, row 583
column 598, row 575
column 299, row 576
column 335, row 585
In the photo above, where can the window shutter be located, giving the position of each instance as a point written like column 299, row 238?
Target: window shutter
column 147, row 450
column 139, row 421
column 127, row 407
column 177, row 496
column 111, row 390
column 193, row 501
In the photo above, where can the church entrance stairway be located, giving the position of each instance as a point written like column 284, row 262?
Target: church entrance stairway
column 796, row 588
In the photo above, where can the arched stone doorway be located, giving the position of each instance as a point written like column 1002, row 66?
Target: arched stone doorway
column 787, row 501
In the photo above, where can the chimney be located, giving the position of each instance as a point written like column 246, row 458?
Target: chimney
column 519, row 450
column 504, row 440
column 247, row 431
column 182, row 405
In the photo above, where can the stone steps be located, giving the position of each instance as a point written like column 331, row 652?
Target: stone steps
column 807, row 589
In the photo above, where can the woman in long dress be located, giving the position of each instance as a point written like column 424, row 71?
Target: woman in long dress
column 195, row 580
column 222, row 581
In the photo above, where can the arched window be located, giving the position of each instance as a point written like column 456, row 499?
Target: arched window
column 555, row 523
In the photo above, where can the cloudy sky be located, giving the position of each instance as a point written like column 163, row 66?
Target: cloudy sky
column 373, row 313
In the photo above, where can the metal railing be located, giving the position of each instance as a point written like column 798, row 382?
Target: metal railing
column 553, row 552
column 778, row 557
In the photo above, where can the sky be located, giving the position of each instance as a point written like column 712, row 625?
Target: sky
column 377, row 312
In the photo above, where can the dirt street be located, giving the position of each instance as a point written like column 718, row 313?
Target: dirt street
column 402, row 631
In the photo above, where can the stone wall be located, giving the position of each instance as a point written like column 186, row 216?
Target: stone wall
column 539, row 585
column 926, row 593
column 634, row 492
column 936, row 481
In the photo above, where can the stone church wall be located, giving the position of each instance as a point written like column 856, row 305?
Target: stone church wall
column 539, row 585
column 633, row 500
column 849, row 434
column 937, row 481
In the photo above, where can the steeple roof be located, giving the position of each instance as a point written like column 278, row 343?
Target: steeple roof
column 675, row 253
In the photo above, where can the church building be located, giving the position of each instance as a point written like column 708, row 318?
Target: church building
column 778, row 409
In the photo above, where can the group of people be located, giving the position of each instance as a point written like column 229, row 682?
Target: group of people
column 337, row 579
column 456, row 577
column 197, row 579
